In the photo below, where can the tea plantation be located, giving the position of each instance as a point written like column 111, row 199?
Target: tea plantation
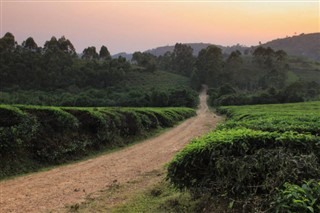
column 33, row 137
column 263, row 158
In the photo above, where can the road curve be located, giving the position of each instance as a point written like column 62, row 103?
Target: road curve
column 70, row 184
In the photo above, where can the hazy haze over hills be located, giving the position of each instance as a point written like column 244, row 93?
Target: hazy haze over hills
column 307, row 45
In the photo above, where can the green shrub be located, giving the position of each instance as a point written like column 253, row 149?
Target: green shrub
column 17, row 129
column 241, row 161
column 303, row 198
column 131, row 123
column 32, row 137
column 53, row 118
column 152, row 121
column 253, row 153
column 302, row 118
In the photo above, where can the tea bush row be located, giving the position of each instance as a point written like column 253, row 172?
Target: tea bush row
column 251, row 156
column 300, row 117
column 37, row 136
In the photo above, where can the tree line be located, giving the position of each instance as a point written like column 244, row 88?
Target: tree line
column 56, row 65
column 266, row 67
column 259, row 75
column 56, row 75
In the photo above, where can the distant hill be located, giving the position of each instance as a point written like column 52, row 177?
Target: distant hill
column 307, row 45
column 162, row 50
column 128, row 56
column 197, row 47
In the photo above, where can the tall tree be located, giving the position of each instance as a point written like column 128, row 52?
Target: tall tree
column 234, row 62
column 51, row 45
column 146, row 60
column 104, row 53
column 165, row 61
column 183, row 59
column 66, row 46
column 90, row 53
column 7, row 42
column 59, row 45
column 209, row 65
column 30, row 44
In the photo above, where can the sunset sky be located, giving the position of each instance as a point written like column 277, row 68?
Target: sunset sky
column 140, row 25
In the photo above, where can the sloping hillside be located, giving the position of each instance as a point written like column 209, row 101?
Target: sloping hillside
column 196, row 48
column 307, row 45
column 306, row 69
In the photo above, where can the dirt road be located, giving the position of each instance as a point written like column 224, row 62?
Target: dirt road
column 70, row 184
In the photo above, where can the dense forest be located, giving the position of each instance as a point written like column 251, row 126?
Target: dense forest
column 56, row 75
column 261, row 75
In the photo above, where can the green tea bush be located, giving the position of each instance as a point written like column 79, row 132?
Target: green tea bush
column 302, row 118
column 131, row 123
column 303, row 198
column 50, row 143
column 256, row 151
column 17, row 130
column 244, row 161
column 32, row 137
column 152, row 121
column 53, row 118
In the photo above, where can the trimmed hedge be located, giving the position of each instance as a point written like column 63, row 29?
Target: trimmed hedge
column 32, row 137
column 300, row 117
column 243, row 161
column 250, row 157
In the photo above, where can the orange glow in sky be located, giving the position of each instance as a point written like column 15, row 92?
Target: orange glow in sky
column 133, row 26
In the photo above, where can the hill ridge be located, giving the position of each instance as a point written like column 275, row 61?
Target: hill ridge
column 306, row 45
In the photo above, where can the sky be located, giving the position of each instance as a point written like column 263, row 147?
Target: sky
column 129, row 26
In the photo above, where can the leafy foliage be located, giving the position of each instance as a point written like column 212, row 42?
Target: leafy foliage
column 299, row 198
column 298, row 117
column 136, row 89
column 256, row 151
column 55, row 75
column 36, row 136
column 295, row 92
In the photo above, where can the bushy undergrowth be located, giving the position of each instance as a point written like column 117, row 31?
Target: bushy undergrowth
column 299, row 198
column 252, row 155
column 298, row 91
column 136, row 89
column 32, row 137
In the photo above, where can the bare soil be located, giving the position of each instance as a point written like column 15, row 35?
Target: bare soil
column 73, row 183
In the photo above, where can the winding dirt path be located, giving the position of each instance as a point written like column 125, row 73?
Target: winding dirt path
column 70, row 184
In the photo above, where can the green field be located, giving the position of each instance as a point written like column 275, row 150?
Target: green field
column 137, row 89
column 299, row 117
column 33, row 137
column 160, row 80
column 304, row 68
column 263, row 157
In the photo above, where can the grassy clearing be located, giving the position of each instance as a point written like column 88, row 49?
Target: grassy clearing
column 149, row 193
column 306, row 69
column 160, row 197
